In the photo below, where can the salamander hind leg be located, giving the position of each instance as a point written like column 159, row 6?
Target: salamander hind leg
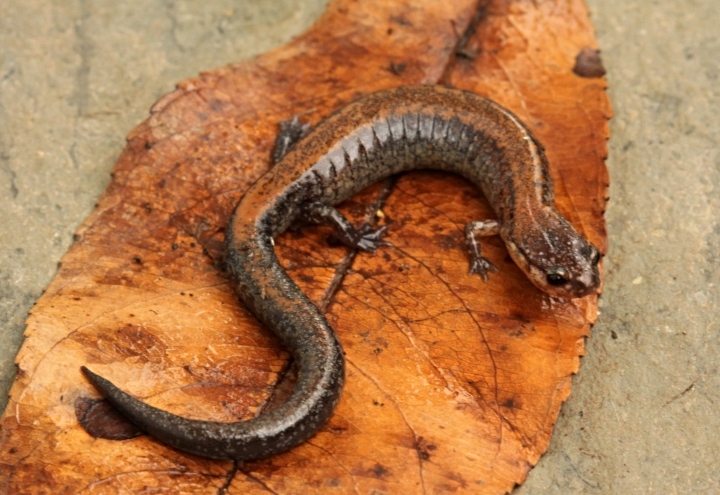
column 473, row 230
column 366, row 237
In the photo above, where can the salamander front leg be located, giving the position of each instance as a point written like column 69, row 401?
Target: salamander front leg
column 473, row 230
column 366, row 237
column 291, row 131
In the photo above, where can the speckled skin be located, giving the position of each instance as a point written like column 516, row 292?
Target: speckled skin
column 407, row 128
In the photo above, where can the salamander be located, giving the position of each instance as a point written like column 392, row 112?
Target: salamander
column 385, row 133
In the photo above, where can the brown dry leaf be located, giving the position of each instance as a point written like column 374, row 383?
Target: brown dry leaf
column 453, row 384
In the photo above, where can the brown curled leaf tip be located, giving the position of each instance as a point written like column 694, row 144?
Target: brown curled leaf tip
column 588, row 63
column 102, row 420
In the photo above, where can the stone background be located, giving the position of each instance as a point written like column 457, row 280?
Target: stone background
column 76, row 76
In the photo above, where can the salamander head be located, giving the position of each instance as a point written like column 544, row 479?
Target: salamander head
column 556, row 258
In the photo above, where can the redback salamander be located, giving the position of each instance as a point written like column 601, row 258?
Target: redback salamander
column 385, row 133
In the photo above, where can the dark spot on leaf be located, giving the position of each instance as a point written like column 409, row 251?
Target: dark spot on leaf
column 447, row 242
column 335, row 428
column 305, row 278
column 379, row 470
column 424, row 448
column 516, row 332
column 216, row 105
column 588, row 63
column 400, row 20
column 398, row 68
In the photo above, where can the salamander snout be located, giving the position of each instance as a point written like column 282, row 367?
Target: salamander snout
column 579, row 277
column 558, row 260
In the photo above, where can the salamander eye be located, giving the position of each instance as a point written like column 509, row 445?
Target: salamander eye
column 557, row 276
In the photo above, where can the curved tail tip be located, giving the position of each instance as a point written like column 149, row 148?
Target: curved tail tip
column 98, row 381
column 87, row 372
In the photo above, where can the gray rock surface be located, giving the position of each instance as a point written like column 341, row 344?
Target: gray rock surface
column 76, row 76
